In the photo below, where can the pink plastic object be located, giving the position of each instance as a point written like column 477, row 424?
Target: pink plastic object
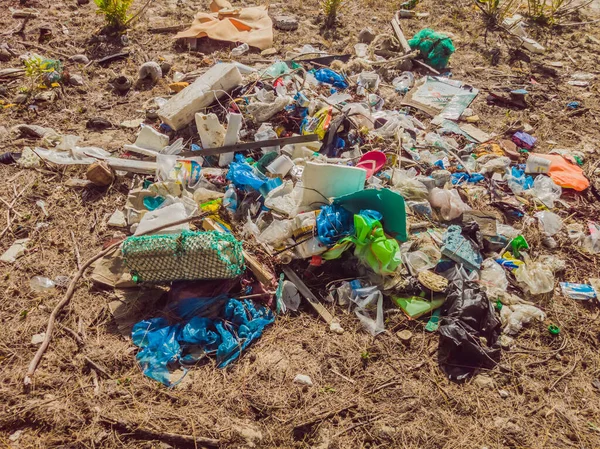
column 372, row 162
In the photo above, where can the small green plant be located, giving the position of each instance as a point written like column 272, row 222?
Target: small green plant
column 330, row 9
column 115, row 12
column 550, row 11
column 495, row 11
column 39, row 69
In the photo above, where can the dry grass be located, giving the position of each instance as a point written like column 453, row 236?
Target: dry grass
column 402, row 398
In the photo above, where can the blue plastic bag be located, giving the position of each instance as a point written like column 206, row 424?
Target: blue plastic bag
column 333, row 223
column 460, row 177
column 243, row 176
column 328, row 76
column 192, row 332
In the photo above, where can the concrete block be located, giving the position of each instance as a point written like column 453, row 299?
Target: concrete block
column 180, row 110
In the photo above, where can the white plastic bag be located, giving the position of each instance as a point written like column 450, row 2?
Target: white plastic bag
column 513, row 317
column 449, row 202
column 535, row 277
column 549, row 222
column 284, row 199
column 276, row 233
column 367, row 300
column 545, row 190
column 492, row 275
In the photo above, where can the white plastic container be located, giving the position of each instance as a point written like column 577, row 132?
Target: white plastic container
column 280, row 166
column 537, row 164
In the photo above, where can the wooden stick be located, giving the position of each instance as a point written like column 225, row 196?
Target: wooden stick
column 96, row 367
column 142, row 433
column 167, row 29
column 310, row 297
column 252, row 145
column 398, row 30
column 76, row 249
column 69, row 294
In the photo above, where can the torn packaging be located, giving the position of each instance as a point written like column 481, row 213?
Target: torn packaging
column 469, row 331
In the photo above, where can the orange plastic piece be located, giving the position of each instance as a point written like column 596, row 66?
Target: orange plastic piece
column 565, row 174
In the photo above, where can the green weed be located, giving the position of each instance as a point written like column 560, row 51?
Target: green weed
column 495, row 11
column 549, row 12
column 330, row 9
column 115, row 12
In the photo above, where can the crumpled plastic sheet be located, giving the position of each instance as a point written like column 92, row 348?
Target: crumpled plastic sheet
column 333, row 223
column 469, row 331
column 243, row 175
column 192, row 331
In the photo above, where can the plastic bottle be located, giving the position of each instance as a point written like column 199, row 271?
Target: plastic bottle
column 240, row 50
column 230, row 199
column 41, row 284
column 404, row 82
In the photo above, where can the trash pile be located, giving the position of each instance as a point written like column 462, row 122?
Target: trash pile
column 358, row 179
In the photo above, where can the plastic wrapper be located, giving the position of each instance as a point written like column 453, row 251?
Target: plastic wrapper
column 278, row 232
column 580, row 292
column 535, row 277
column 545, row 190
column 436, row 48
column 409, row 186
column 183, row 170
column 193, row 331
column 514, row 317
column 492, row 275
column 75, row 156
column 333, row 223
column 496, row 165
column 449, row 203
column 469, row 331
column 549, row 222
column 518, row 182
column 368, row 302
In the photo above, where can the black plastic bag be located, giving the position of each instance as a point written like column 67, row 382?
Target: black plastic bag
column 469, row 331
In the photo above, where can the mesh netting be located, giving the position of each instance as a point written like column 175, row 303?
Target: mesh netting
column 186, row 256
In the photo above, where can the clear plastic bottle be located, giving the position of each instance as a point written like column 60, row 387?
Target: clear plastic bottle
column 230, row 199
column 240, row 50
column 41, row 284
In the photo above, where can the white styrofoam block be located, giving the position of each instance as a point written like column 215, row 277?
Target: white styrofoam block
column 210, row 129
column 180, row 109
column 148, row 142
column 323, row 181
column 234, row 125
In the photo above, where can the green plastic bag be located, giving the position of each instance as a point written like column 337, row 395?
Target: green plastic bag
column 435, row 48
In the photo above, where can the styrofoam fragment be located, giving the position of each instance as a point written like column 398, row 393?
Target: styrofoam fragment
column 180, row 110
column 210, row 129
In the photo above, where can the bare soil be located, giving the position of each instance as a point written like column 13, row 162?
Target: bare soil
column 385, row 393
